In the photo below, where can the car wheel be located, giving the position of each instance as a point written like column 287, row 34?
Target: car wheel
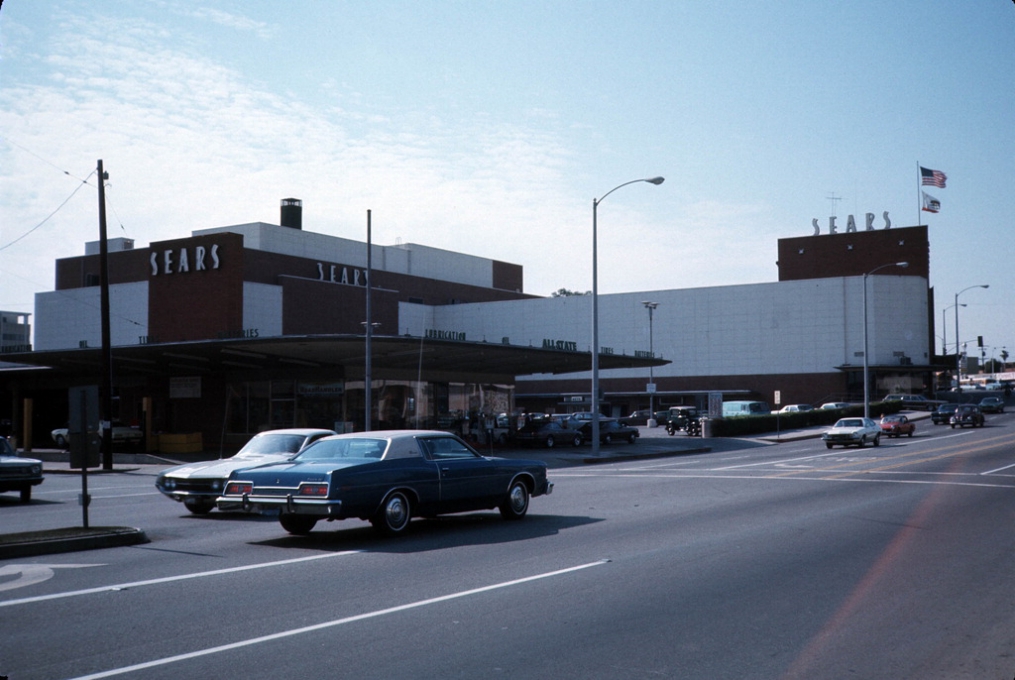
column 632, row 438
column 671, row 431
column 862, row 443
column 577, row 440
column 910, row 433
column 828, row 446
column 301, row 525
column 550, row 442
column 877, row 440
column 608, row 439
column 26, row 494
column 394, row 514
column 953, row 426
column 61, row 443
column 199, row 507
column 517, row 502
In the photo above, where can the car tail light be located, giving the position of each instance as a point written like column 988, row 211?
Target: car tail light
column 313, row 489
column 238, row 488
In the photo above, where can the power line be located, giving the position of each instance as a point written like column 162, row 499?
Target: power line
column 84, row 182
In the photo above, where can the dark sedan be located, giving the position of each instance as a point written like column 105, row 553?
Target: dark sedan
column 548, row 433
column 197, row 485
column 943, row 414
column 992, row 405
column 386, row 477
column 611, row 431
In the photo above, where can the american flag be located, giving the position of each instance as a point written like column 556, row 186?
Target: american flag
column 934, row 178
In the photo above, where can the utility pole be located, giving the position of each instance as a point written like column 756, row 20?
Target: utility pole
column 106, row 384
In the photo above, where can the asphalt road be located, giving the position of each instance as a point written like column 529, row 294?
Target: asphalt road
column 787, row 561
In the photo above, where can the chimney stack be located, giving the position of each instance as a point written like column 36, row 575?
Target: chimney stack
column 292, row 213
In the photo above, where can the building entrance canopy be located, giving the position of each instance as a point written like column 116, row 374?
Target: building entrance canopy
column 403, row 357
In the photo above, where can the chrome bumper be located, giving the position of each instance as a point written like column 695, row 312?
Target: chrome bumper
column 288, row 503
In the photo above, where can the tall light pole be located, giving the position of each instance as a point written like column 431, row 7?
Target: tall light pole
column 958, row 341
column 595, row 308
column 651, row 307
column 866, row 359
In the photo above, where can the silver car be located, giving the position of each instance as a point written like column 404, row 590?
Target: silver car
column 17, row 473
column 853, row 432
column 197, row 485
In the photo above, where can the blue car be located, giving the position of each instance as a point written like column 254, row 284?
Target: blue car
column 387, row 477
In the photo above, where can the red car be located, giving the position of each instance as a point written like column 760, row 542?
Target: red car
column 897, row 425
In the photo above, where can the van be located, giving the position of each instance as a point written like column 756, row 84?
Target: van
column 732, row 409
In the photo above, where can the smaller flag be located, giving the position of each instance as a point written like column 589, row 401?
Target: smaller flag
column 934, row 178
column 930, row 204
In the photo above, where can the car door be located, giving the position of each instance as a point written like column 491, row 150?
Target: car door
column 467, row 480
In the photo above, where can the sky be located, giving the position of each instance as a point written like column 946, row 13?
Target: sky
column 489, row 127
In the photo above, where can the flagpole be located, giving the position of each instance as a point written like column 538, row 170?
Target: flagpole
column 919, row 197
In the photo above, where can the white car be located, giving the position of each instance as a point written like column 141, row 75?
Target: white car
column 197, row 485
column 122, row 434
column 17, row 473
column 853, row 432
column 794, row 408
column 835, row 404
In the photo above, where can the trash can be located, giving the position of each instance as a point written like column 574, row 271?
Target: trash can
column 706, row 428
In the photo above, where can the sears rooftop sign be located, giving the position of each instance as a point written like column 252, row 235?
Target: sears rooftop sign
column 850, row 224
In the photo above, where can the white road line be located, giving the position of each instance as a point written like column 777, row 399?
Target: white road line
column 1006, row 467
column 330, row 624
column 171, row 579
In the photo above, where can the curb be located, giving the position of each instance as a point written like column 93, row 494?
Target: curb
column 55, row 541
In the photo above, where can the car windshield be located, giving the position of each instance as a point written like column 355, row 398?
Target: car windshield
column 352, row 447
column 5, row 448
column 273, row 443
column 850, row 422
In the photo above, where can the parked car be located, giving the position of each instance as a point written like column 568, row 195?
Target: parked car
column 992, row 405
column 914, row 402
column 794, row 408
column 835, row 404
column 942, row 415
column 17, row 473
column 680, row 418
column 897, row 425
column 611, row 431
column 967, row 414
column 125, row 435
column 197, row 485
column 853, row 432
column 387, row 477
column 576, row 421
column 548, row 433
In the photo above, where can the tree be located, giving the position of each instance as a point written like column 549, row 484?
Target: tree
column 564, row 292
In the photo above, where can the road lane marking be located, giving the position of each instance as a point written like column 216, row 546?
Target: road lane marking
column 171, row 579
column 30, row 574
column 331, row 624
column 1000, row 469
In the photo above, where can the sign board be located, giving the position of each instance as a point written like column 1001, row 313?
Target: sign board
column 778, row 397
column 83, row 426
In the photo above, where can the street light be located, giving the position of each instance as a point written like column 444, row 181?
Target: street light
column 595, row 308
column 944, row 329
column 958, row 355
column 866, row 359
column 651, row 306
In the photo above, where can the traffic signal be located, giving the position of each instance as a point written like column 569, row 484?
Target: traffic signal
column 979, row 341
